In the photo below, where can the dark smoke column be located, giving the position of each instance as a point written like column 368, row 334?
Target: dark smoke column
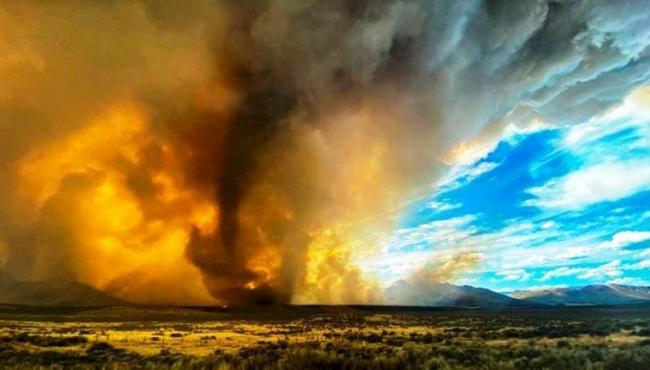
column 223, row 258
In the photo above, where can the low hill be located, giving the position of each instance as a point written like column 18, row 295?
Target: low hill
column 52, row 293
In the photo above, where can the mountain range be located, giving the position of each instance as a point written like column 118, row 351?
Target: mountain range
column 70, row 293
column 447, row 295
column 52, row 293
column 611, row 294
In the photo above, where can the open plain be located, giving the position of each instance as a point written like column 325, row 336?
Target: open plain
column 325, row 337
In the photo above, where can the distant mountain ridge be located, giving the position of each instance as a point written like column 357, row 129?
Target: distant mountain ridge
column 610, row 294
column 447, row 295
column 52, row 293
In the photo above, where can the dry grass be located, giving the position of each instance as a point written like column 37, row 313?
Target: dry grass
column 513, row 338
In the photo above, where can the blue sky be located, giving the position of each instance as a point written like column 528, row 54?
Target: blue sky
column 554, row 206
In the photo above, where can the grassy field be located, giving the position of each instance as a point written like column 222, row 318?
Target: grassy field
column 285, row 337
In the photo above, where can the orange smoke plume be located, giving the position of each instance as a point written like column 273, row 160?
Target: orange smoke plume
column 212, row 153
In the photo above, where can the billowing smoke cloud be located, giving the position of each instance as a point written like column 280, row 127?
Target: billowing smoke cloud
column 251, row 151
column 427, row 285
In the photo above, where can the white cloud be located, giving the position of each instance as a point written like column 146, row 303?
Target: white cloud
column 438, row 232
column 526, row 259
column 634, row 111
column 442, row 206
column 561, row 272
column 605, row 176
column 593, row 184
column 624, row 238
column 549, row 254
column 569, row 253
column 481, row 168
column 608, row 270
column 641, row 265
column 460, row 175
column 514, row 275
column 548, row 224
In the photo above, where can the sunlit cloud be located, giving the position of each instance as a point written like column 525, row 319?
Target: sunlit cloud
column 594, row 184
column 517, row 275
column 624, row 238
